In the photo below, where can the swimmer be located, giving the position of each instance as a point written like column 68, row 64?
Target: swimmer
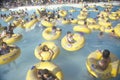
column 45, row 74
column 70, row 38
column 46, row 49
column 104, row 61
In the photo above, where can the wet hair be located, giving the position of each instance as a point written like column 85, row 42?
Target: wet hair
column 64, row 18
column 101, row 33
column 53, row 27
column 68, row 32
column 43, row 48
column 5, row 28
column 72, row 18
column 106, row 54
column 4, row 43
column 113, row 31
column 45, row 71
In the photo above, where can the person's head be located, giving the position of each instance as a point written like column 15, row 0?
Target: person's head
column 113, row 31
column 101, row 33
column 53, row 28
column 45, row 48
column 9, row 34
column 4, row 45
column 106, row 54
column 69, row 34
column 65, row 19
column 5, row 28
column 45, row 73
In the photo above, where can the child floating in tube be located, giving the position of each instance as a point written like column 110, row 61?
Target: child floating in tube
column 46, row 49
column 45, row 74
column 55, row 29
column 104, row 62
column 5, row 49
column 70, row 38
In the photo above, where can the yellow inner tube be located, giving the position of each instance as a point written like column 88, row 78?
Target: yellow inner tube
column 105, row 14
column 76, row 45
column 48, row 35
column 17, row 22
column 81, row 17
column 105, row 24
column 63, row 13
column 65, row 21
column 111, row 71
column 74, row 21
column 72, row 10
column 54, row 69
column 9, row 57
column 82, row 29
column 47, row 24
column 117, row 30
column 46, row 55
column 13, row 39
column 103, row 19
column 90, row 20
column 94, row 26
column 30, row 24
column 114, row 16
column 81, row 22
column 9, row 18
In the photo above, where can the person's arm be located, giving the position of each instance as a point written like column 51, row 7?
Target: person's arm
column 51, row 54
column 40, row 54
column 38, row 75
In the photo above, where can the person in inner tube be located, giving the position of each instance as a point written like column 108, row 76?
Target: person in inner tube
column 55, row 29
column 104, row 62
column 70, row 38
column 46, row 49
column 45, row 74
column 5, row 48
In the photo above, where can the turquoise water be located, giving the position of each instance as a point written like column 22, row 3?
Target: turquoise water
column 71, row 63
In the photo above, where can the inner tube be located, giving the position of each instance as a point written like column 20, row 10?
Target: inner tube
column 76, row 45
column 114, row 16
column 74, row 21
column 82, row 17
column 94, row 26
column 11, row 56
column 48, row 35
column 111, row 71
column 117, row 30
column 90, row 20
column 65, row 21
column 54, row 69
column 9, row 18
column 17, row 22
column 47, row 24
column 81, row 22
column 63, row 13
column 82, row 29
column 46, row 55
column 105, row 24
column 30, row 24
column 13, row 39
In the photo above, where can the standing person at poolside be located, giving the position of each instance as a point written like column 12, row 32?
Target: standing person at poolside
column 46, row 49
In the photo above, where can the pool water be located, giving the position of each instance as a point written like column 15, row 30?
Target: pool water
column 71, row 63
